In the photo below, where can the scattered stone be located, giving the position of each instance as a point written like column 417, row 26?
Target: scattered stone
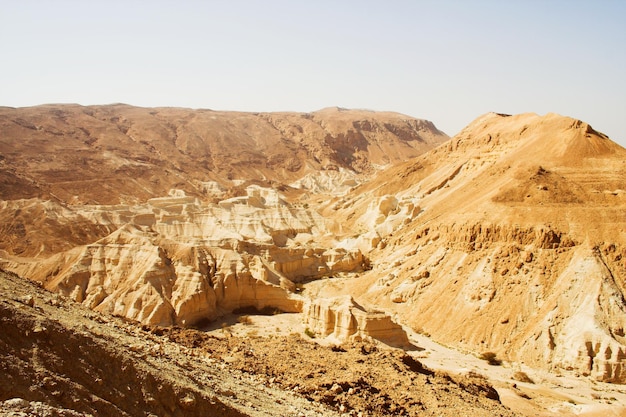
column 27, row 300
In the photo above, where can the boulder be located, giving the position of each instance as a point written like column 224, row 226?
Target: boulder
column 343, row 320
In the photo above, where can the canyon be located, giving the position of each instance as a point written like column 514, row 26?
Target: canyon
column 374, row 229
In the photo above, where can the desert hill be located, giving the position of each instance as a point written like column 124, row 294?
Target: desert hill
column 510, row 238
column 122, row 154
column 208, row 210
column 53, row 156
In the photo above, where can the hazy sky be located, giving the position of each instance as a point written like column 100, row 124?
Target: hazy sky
column 446, row 61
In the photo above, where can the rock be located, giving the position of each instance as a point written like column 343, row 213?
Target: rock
column 205, row 260
column 336, row 389
column 14, row 403
column 17, row 407
column 187, row 401
column 27, row 300
column 343, row 319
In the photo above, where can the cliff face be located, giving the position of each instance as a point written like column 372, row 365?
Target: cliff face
column 509, row 238
column 342, row 320
column 175, row 260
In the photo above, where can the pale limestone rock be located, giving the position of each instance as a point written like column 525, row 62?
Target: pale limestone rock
column 193, row 298
column 212, row 188
column 176, row 261
column 583, row 330
column 479, row 288
column 176, row 198
column 572, row 318
column 340, row 260
column 387, row 205
column 333, row 182
column 385, row 215
column 404, row 291
column 343, row 320
column 298, row 263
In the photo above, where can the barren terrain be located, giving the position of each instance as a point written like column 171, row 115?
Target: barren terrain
column 510, row 238
column 339, row 261
column 124, row 154
column 58, row 353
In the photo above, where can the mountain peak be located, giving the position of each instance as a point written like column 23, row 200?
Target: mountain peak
column 560, row 139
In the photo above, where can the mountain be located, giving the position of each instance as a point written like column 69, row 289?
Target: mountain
column 120, row 154
column 509, row 238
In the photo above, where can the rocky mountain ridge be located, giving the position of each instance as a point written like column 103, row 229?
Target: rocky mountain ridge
column 123, row 154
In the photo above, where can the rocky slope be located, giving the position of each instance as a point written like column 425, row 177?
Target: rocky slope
column 510, row 238
column 341, row 320
column 76, row 362
column 58, row 358
column 176, row 260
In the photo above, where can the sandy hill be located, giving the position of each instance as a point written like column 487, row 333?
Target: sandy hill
column 511, row 238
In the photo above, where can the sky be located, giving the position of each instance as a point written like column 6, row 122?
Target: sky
column 445, row 61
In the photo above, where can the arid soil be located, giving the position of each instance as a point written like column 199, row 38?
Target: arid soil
column 77, row 362
column 56, row 352
column 526, row 391
column 360, row 378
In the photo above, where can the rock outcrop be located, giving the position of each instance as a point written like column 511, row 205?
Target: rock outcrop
column 177, row 261
column 343, row 320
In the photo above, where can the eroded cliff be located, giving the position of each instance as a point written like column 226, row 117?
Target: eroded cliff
column 510, row 238
column 175, row 260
